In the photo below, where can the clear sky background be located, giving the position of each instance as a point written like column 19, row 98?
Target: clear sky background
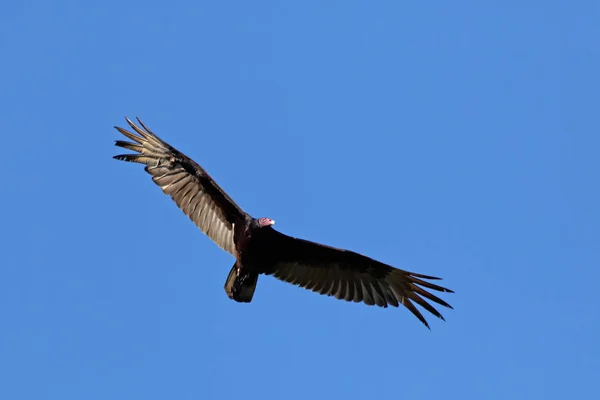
column 458, row 139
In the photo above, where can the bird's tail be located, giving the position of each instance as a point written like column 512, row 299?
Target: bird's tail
column 241, row 287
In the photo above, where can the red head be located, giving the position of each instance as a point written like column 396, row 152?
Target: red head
column 262, row 222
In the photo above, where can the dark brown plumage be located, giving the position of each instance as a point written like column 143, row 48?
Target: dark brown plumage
column 260, row 249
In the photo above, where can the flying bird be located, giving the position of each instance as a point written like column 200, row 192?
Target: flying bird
column 260, row 249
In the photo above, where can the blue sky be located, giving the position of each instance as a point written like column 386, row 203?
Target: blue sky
column 459, row 140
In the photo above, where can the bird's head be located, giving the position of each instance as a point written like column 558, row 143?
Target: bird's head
column 263, row 222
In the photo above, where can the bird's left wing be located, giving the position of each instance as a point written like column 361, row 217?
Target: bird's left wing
column 188, row 184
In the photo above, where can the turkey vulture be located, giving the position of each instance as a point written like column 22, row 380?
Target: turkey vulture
column 260, row 249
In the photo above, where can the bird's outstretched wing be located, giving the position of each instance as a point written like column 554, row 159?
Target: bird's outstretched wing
column 348, row 275
column 188, row 184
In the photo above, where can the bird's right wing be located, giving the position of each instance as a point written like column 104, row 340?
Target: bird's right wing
column 347, row 275
column 188, row 184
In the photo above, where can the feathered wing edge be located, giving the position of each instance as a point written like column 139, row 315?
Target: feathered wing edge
column 413, row 292
column 186, row 182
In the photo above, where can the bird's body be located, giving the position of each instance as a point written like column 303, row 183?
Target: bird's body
column 260, row 249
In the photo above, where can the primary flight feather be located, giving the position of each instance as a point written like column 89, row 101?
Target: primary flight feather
column 260, row 249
